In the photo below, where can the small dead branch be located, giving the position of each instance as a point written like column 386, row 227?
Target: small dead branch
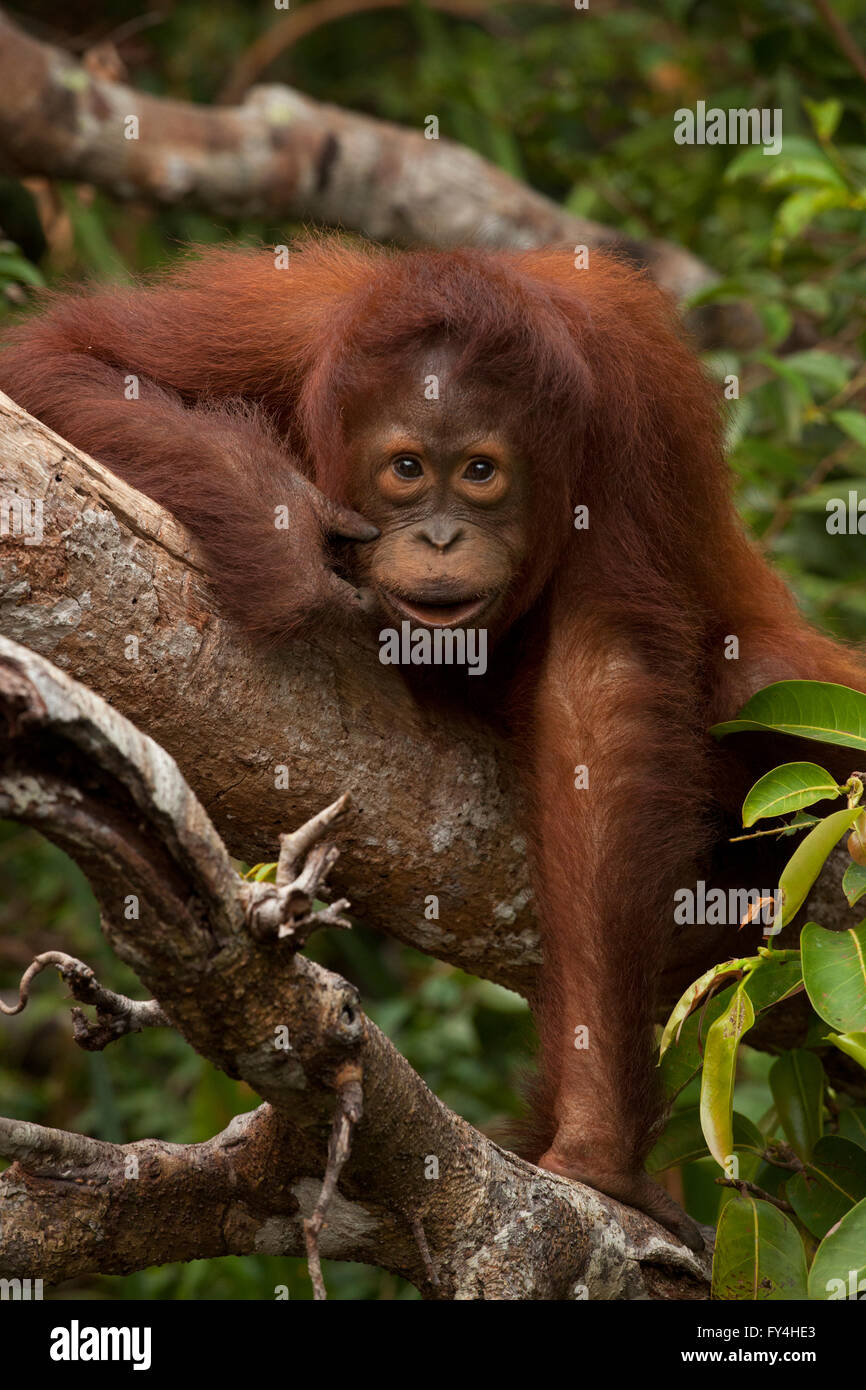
column 845, row 40
column 293, row 847
column 116, row 1015
column 350, row 1107
column 744, row 1187
column 284, row 908
column 273, row 42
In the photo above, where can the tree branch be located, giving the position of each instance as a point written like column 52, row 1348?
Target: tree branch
column 845, row 40
column 76, row 769
column 115, row 1014
column 282, row 155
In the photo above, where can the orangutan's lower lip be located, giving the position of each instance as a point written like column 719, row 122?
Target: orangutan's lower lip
column 434, row 614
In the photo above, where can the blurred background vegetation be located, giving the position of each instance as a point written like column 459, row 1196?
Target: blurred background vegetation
column 581, row 106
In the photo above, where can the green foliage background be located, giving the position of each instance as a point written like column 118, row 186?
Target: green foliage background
column 581, row 105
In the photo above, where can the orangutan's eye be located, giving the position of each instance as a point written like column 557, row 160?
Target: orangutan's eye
column 407, row 468
column 479, row 471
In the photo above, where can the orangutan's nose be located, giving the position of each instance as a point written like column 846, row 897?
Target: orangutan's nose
column 440, row 532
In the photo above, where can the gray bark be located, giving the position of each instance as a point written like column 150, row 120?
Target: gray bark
column 423, row 1194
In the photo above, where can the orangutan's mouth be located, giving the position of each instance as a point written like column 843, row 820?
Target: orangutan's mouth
column 438, row 612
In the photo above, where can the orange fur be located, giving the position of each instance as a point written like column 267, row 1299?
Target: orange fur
column 617, row 632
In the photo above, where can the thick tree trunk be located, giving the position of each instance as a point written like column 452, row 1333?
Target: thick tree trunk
column 407, row 1184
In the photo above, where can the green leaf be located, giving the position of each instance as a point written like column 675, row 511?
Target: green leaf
column 825, row 499
column 797, row 1084
column 809, row 170
column 826, row 370
column 834, row 1181
column 759, row 1254
column 840, row 1261
column 852, row 1124
column 15, row 267
column 717, row 1079
column 777, row 320
column 854, row 883
column 824, row 115
column 788, row 788
column 809, row 858
column 818, row 710
column 834, row 973
column 683, row 1140
column 796, row 397
column 852, row 1044
column 852, row 423
column 778, row 976
column 746, row 164
column 260, row 873
column 802, row 207
column 690, row 998
column 815, row 299
column 801, row 821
